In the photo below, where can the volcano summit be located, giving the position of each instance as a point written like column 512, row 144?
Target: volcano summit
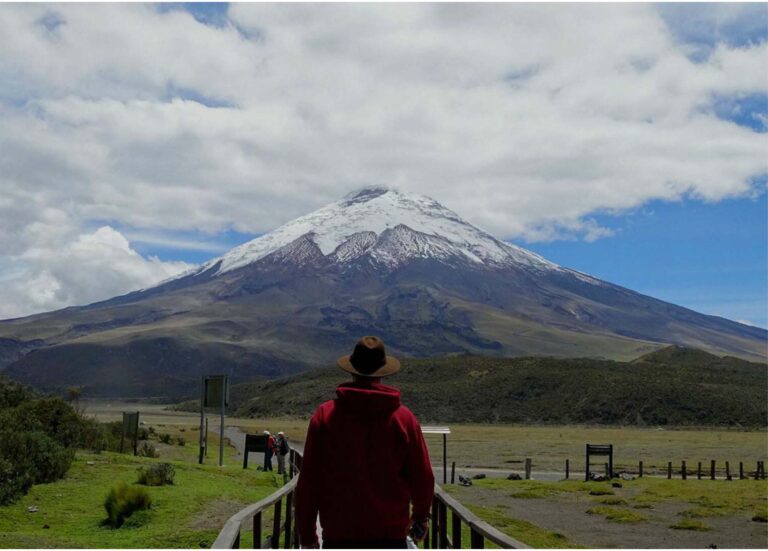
column 379, row 261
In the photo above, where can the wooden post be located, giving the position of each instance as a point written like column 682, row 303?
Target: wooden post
column 684, row 471
column 712, row 470
column 455, row 530
column 206, row 436
column 586, row 468
column 607, row 471
column 275, row 540
column 435, row 520
column 443, row 511
column 669, row 470
column 202, row 417
column 527, row 468
column 640, row 469
column 476, row 539
column 728, row 470
column 288, row 518
column 453, row 472
column 221, row 433
column 236, row 544
column 741, row 470
column 698, row 473
column 567, row 469
column 257, row 530
column 445, row 458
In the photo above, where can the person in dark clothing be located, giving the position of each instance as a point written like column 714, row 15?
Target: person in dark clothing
column 270, row 451
column 281, row 450
column 366, row 468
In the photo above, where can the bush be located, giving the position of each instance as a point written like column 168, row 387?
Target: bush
column 147, row 450
column 143, row 434
column 158, row 474
column 122, row 501
column 28, row 458
column 181, row 441
column 165, row 438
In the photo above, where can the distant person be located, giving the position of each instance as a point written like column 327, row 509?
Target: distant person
column 365, row 462
column 281, row 450
column 269, row 451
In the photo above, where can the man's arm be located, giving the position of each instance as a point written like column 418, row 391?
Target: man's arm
column 307, row 492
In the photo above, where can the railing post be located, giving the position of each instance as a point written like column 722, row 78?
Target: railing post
column 257, row 531
column 443, row 525
column 477, row 541
column 684, row 470
column 712, row 470
column 455, row 530
column 567, row 469
column 275, row 541
column 640, row 469
column 698, row 473
column 435, row 521
column 288, row 519
column 236, row 543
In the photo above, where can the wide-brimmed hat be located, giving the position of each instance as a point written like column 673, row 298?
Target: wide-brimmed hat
column 369, row 359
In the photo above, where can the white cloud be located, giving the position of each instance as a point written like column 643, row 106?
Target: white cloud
column 95, row 266
column 525, row 119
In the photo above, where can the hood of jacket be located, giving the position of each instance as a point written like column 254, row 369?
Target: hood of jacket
column 367, row 398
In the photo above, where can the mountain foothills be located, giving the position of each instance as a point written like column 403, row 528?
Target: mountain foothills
column 380, row 262
column 673, row 386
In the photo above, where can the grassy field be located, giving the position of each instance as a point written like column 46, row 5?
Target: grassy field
column 191, row 512
column 641, row 513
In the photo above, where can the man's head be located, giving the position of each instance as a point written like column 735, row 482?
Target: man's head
column 369, row 360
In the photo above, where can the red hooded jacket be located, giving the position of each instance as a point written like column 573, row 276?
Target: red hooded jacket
column 365, row 461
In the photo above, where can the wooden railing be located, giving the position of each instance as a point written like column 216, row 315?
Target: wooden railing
column 229, row 537
column 479, row 530
column 284, row 532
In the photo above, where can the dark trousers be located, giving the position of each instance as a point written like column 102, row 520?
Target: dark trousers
column 267, row 461
column 366, row 544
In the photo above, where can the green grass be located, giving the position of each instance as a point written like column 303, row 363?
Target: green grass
column 181, row 514
column 611, row 501
column 704, row 512
column 615, row 514
column 521, row 530
column 690, row 524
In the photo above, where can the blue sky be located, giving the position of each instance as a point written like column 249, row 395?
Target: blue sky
column 632, row 146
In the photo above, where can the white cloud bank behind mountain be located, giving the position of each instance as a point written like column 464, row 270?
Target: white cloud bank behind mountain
column 525, row 119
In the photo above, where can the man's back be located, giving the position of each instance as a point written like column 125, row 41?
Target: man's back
column 365, row 461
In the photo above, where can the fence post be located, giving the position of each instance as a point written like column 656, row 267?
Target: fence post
column 567, row 469
column 728, row 470
column 698, row 473
column 476, row 539
column 712, row 470
column 640, row 469
column 435, row 521
column 685, row 472
column 455, row 530
column 669, row 470
column 288, row 519
column 257, row 530
column 275, row 541
column 443, row 540
column 527, row 468
column 741, row 470
column 453, row 472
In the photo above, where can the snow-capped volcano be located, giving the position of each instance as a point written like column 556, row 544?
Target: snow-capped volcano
column 389, row 227
column 377, row 262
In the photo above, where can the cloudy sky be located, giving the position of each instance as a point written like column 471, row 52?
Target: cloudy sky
column 627, row 141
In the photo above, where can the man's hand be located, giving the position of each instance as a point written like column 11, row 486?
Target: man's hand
column 419, row 529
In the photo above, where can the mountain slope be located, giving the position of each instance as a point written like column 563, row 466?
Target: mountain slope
column 376, row 262
column 675, row 387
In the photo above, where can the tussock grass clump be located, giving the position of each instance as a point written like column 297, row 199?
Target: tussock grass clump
column 165, row 438
column 703, row 512
column 601, row 492
column 611, row 501
column 147, row 450
column 158, row 474
column 690, row 524
column 122, row 501
column 616, row 515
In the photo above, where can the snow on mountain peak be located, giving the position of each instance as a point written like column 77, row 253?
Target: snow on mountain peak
column 356, row 224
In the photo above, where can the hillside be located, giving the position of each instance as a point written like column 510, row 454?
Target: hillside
column 663, row 388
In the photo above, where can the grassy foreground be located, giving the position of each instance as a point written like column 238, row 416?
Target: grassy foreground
column 187, row 514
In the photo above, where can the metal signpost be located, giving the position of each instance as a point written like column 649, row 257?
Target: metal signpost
column 214, row 393
column 130, row 428
column 445, row 431
column 254, row 443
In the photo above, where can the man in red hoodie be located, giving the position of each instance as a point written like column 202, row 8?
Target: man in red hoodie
column 365, row 462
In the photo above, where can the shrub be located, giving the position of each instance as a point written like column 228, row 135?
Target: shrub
column 143, row 434
column 28, row 458
column 122, row 501
column 147, row 450
column 181, row 441
column 158, row 474
column 165, row 438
